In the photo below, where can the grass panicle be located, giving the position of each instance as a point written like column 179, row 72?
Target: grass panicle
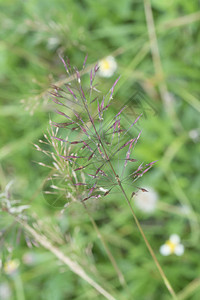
column 100, row 147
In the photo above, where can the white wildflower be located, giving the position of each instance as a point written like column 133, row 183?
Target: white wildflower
column 172, row 246
column 146, row 200
column 107, row 66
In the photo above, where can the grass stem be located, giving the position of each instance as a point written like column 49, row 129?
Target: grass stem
column 110, row 256
column 73, row 266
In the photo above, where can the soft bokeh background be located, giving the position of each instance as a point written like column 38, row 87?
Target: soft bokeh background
column 159, row 77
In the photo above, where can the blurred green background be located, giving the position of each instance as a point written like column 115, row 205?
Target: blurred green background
column 160, row 73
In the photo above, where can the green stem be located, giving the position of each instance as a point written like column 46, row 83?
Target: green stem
column 166, row 281
column 73, row 266
column 18, row 287
column 110, row 256
column 190, row 289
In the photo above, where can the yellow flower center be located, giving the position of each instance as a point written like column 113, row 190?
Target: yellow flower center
column 11, row 266
column 171, row 245
column 105, row 65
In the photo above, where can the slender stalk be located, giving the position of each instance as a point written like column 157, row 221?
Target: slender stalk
column 110, row 256
column 162, row 86
column 181, row 21
column 166, row 281
column 190, row 289
column 18, row 287
column 73, row 266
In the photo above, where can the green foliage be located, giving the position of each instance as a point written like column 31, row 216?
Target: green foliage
column 32, row 34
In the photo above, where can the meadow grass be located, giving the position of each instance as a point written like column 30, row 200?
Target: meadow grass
column 155, row 45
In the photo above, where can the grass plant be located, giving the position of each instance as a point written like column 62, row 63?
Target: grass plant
column 155, row 46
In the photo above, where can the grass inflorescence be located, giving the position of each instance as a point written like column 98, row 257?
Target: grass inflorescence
column 101, row 148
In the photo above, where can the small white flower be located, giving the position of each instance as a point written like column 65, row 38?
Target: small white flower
column 107, row 66
column 146, row 201
column 11, row 266
column 172, row 246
